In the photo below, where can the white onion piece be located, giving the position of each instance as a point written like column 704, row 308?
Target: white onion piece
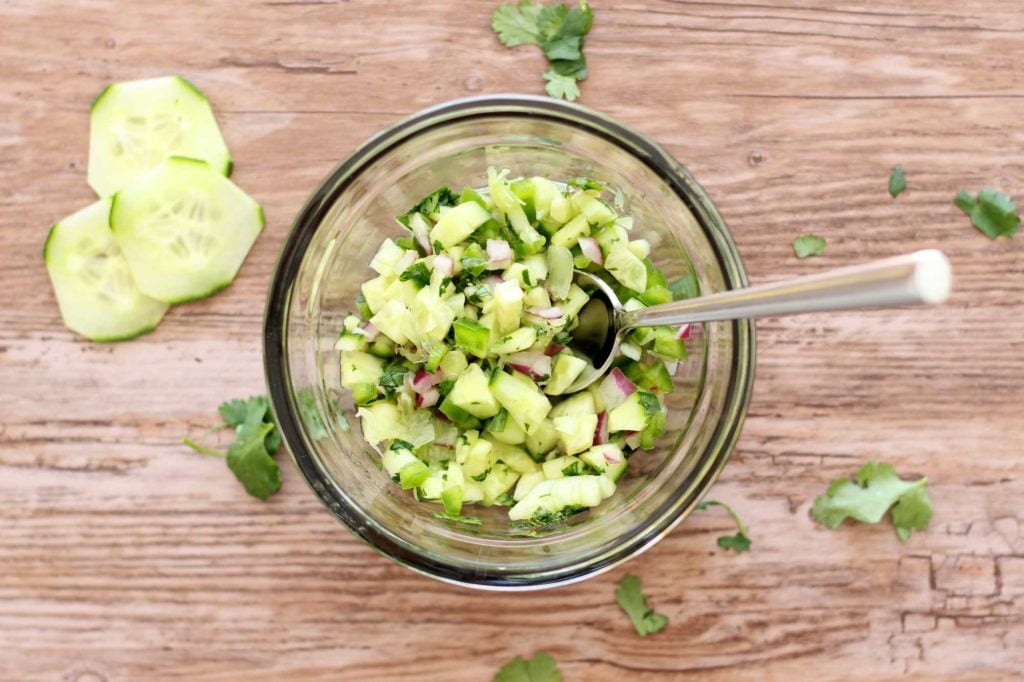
column 547, row 313
column 591, row 249
column 428, row 398
column 615, row 388
column 499, row 253
column 444, row 264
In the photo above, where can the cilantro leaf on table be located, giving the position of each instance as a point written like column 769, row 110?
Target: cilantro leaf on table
column 740, row 542
column 558, row 31
column 992, row 212
column 808, row 245
column 897, row 182
column 540, row 668
column 634, row 603
column 877, row 489
column 256, row 439
column 516, row 24
column 561, row 87
column 249, row 460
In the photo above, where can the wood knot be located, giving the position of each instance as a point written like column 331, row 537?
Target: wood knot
column 85, row 675
column 473, row 83
column 756, row 157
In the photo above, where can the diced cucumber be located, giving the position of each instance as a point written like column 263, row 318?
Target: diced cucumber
column 538, row 267
column 596, row 211
column 634, row 413
column 544, row 193
column 472, row 394
column 394, row 460
column 654, row 429
column 184, row 229
column 137, row 124
column 526, row 484
column 94, row 287
column 472, row 337
column 514, row 456
column 605, row 457
column 348, row 341
column 500, row 480
column 413, row 475
column 667, row 345
column 383, row 421
column 511, row 207
column 564, row 371
column 626, row 267
column 578, row 404
column 510, row 432
column 456, row 224
column 575, row 432
column 453, row 364
column 611, row 236
column 560, row 467
column 557, row 494
column 641, row 248
column 508, row 306
column 476, row 459
column 435, row 357
column 457, row 415
column 656, row 295
column 374, row 292
column 364, row 394
column 519, row 340
column 569, row 235
column 472, row 492
column 393, row 321
column 451, row 498
column 523, row 400
column 387, row 257
column 542, row 439
column 560, row 273
column 358, row 367
column 537, row 297
column 575, row 302
column 562, row 209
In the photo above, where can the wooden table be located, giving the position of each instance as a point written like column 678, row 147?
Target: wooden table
column 125, row 556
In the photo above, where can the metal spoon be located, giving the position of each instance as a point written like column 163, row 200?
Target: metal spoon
column 921, row 277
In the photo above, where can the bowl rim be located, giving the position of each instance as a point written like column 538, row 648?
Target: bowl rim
column 276, row 316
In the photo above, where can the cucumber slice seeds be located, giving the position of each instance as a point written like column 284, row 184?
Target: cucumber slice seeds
column 458, row 358
column 137, row 124
column 185, row 229
column 97, row 295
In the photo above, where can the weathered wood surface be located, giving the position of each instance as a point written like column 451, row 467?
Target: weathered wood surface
column 124, row 556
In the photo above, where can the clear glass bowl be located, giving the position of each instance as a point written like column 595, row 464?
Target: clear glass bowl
column 326, row 259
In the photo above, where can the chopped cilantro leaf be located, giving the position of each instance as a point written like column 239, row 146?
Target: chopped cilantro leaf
column 417, row 273
column 740, row 542
column 897, row 182
column 401, row 445
column 310, row 417
column 586, row 183
column 684, row 287
column 634, row 603
column 516, row 24
column 505, row 499
column 481, row 476
column 561, row 87
column 442, row 196
column 992, row 212
column 475, row 266
column 543, row 517
column 876, row 489
column 807, row 245
column 562, row 338
column 572, row 470
column 540, row 668
column 392, row 379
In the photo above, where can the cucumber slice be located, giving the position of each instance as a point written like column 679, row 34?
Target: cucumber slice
column 94, row 287
column 185, row 229
column 137, row 124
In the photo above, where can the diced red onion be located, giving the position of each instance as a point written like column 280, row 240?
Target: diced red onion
column 610, row 458
column 444, row 264
column 424, row 381
column 591, row 249
column 553, row 349
column 428, row 398
column 683, row 332
column 421, row 232
column 369, row 331
column 633, row 439
column 531, row 363
column 492, row 282
column 615, row 388
column 443, row 417
column 407, row 259
column 547, row 313
column 601, row 434
column 499, row 253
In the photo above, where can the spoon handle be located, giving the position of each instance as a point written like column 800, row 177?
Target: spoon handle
column 920, row 277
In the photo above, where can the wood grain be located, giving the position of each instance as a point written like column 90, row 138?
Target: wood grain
column 124, row 556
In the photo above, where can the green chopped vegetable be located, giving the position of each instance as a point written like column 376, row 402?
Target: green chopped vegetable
column 634, row 603
column 992, row 212
column 897, row 182
column 540, row 668
column 392, row 379
column 877, row 489
column 444, row 516
column 418, row 273
column 740, row 542
column 808, row 245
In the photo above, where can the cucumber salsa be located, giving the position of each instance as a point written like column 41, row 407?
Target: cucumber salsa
column 458, row 358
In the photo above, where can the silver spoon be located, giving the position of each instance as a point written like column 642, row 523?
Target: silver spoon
column 920, row 277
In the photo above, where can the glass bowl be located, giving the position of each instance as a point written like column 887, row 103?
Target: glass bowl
column 326, row 257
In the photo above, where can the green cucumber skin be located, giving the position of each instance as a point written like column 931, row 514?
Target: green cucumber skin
column 103, row 93
column 229, row 167
column 198, row 297
column 199, row 93
column 125, row 337
column 46, row 244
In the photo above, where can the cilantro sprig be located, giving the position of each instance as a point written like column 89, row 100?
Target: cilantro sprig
column 634, row 603
column 876, row 489
column 991, row 211
column 256, row 439
column 897, row 182
column 540, row 668
column 740, row 542
column 558, row 31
